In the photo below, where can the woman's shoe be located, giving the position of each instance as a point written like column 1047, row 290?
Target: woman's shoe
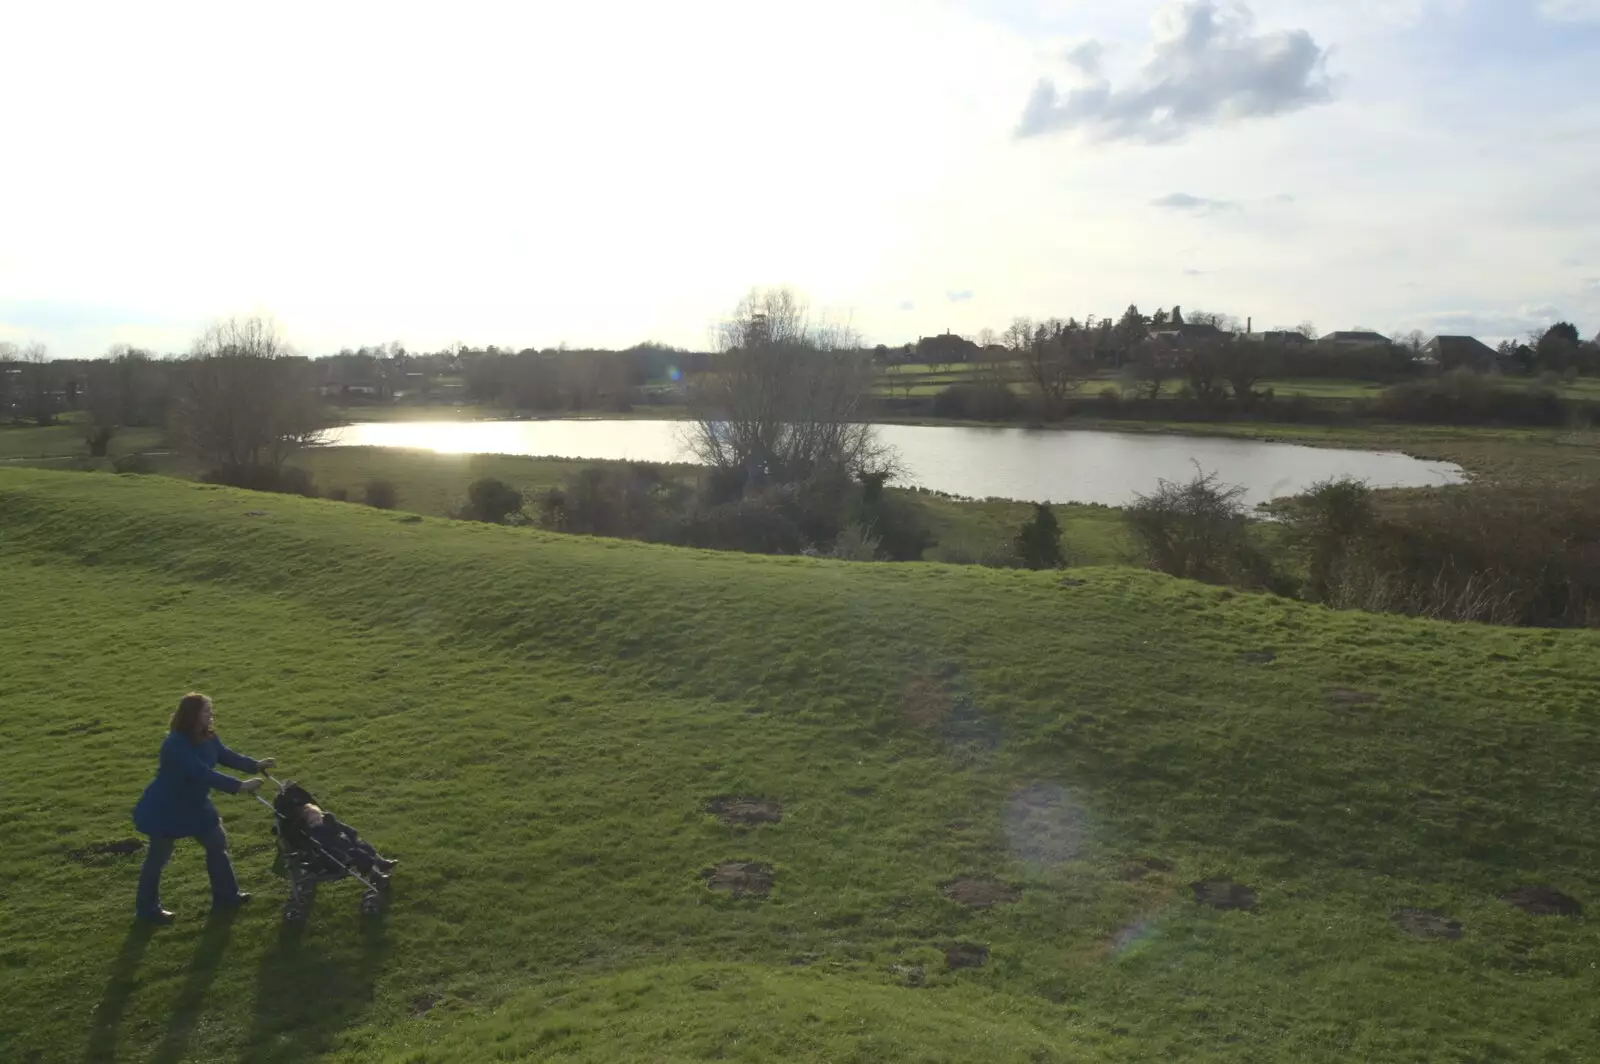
column 161, row 917
column 238, row 900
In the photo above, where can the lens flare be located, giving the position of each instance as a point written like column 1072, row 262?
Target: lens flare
column 1133, row 938
column 1046, row 824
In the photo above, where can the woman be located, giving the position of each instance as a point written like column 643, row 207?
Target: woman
column 177, row 805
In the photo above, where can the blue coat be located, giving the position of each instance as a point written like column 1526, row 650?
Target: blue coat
column 178, row 801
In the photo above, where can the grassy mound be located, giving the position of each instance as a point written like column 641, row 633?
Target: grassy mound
column 541, row 726
column 742, row 1013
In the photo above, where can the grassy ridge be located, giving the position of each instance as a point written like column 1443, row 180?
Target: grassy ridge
column 535, row 723
column 436, row 485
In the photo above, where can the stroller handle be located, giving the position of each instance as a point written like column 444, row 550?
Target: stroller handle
column 257, row 794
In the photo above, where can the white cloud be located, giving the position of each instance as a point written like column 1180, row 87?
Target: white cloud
column 1206, row 67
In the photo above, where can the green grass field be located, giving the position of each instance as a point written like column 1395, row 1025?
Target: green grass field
column 66, row 440
column 536, row 724
column 923, row 381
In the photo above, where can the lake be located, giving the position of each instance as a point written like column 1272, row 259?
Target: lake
column 1034, row 465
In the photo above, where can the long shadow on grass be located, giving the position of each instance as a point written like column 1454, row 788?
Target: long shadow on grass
column 313, row 983
column 119, row 988
column 186, row 1011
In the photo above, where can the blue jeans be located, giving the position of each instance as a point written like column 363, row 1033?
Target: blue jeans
column 224, row 887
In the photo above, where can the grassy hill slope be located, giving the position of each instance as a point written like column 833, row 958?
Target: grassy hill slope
column 536, row 724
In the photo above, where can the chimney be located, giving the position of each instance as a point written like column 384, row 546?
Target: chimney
column 1249, row 326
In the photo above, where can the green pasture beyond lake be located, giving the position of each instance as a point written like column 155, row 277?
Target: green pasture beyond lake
column 988, row 795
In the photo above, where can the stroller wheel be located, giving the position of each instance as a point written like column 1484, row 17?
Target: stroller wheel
column 371, row 903
column 292, row 913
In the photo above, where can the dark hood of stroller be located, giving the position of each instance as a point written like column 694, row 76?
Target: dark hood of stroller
column 292, row 799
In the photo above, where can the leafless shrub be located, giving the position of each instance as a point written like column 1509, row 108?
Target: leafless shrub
column 1198, row 531
column 785, row 401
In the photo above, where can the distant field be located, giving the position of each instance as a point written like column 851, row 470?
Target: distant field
column 430, row 483
column 56, row 441
column 967, row 531
column 423, row 412
column 921, row 382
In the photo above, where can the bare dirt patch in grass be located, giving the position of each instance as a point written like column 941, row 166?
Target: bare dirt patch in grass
column 732, row 810
column 88, row 727
column 1223, row 894
column 1149, row 866
column 119, row 848
column 976, row 892
column 911, row 975
column 741, row 879
column 965, row 955
column 1426, row 923
column 1539, row 900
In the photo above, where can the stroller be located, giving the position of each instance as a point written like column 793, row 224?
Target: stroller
column 304, row 862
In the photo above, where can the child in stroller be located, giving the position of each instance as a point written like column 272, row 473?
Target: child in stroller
column 315, row 847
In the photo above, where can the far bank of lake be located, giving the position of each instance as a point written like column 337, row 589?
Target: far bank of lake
column 1034, row 465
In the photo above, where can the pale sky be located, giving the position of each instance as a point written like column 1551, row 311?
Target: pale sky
column 601, row 173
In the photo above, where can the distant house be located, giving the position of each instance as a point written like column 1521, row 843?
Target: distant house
column 946, row 349
column 1283, row 338
column 1454, row 352
column 1354, row 339
column 340, row 387
column 1183, row 333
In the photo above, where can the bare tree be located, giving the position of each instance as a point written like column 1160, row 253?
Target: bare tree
column 38, row 384
column 1018, row 335
column 1058, row 359
column 102, row 406
column 1307, row 329
column 1225, row 322
column 1148, row 370
column 786, row 400
column 1202, row 364
column 9, row 372
column 992, row 369
column 125, row 388
column 1412, row 341
column 1243, row 364
column 243, row 401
